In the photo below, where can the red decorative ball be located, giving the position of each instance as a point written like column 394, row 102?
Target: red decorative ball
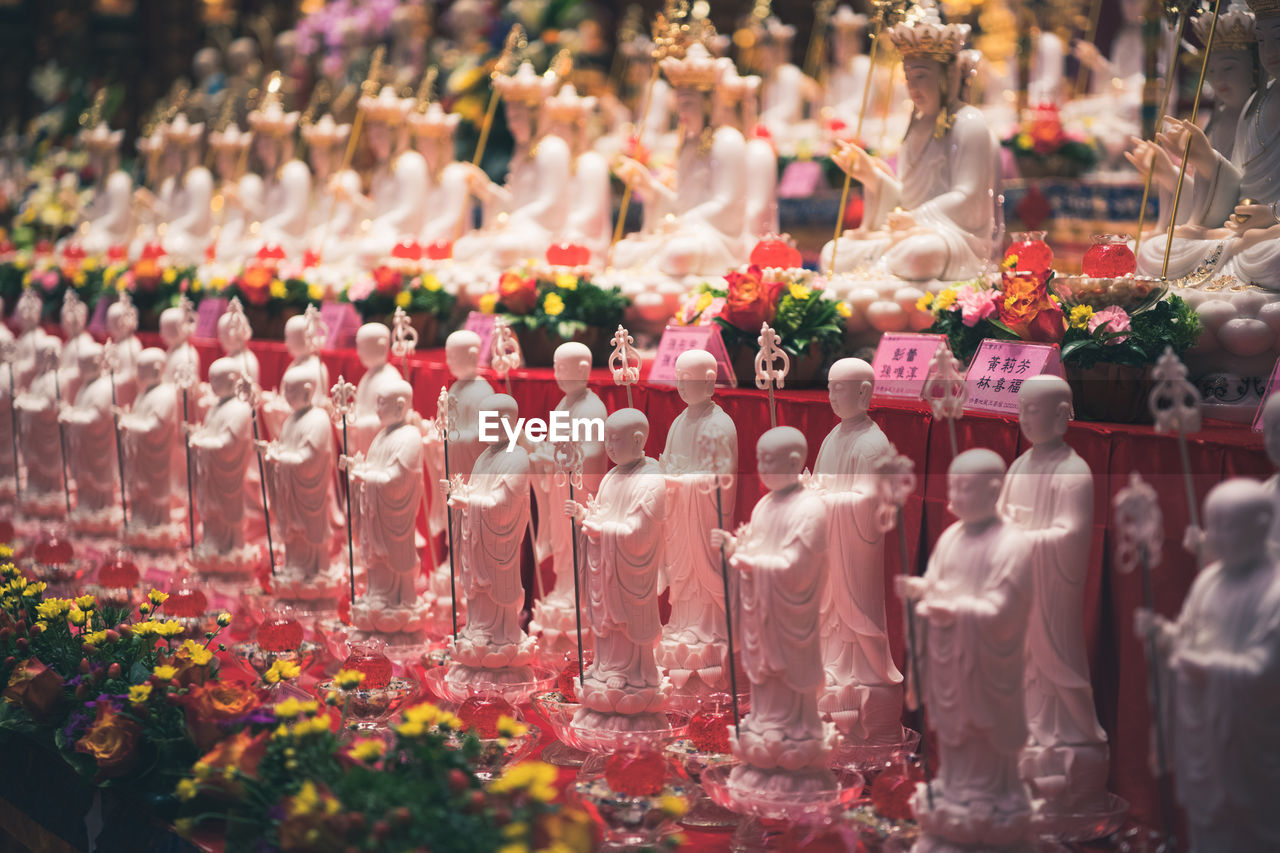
column 1109, row 257
column 1034, row 254
column 440, row 250
column 53, row 550
column 118, row 573
column 280, row 634
column 411, row 251
column 374, row 664
column 568, row 255
column 186, row 602
column 772, row 252
column 892, row 790
column 709, row 729
column 271, row 253
column 642, row 774
column 310, row 258
column 116, row 253
column 482, row 713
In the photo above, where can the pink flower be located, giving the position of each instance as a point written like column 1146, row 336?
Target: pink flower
column 49, row 280
column 360, row 290
column 1111, row 320
column 976, row 305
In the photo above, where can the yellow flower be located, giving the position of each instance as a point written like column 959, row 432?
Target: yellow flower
column 514, row 848
column 199, row 655
column 403, row 298
column 139, row 693
column 170, row 275
column 291, row 708
column 76, row 617
column 488, row 302
column 89, row 264
column 165, row 673
column 1025, row 142
column 277, row 289
column 224, row 619
column 122, row 284
column 515, row 829
column 196, row 285
column 1010, row 262
column 945, row 299
column 78, row 280
column 369, row 750
column 97, row 638
column 281, row 670
column 673, row 807
column 6, row 552
column 348, row 679
column 26, row 279
column 187, row 790
column 171, row 628
column 1080, row 316
column 924, row 302
column 430, row 282
column 536, row 778
column 218, row 283
column 312, row 726
column 553, row 305
column 799, row 291
column 86, row 602
column 567, row 281
column 308, row 801
column 53, row 608
column 509, row 727
column 315, row 292
column 157, row 597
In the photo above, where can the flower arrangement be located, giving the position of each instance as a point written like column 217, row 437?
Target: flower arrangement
column 1043, row 146
column 1026, row 306
column 797, row 309
column 561, row 306
column 377, row 295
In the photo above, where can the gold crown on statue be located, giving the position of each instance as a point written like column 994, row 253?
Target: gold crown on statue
column 568, row 106
column 387, row 107
column 733, row 87
column 922, row 35
column 182, row 131
column 326, row 131
column 230, row 138
column 1265, row 8
column 526, row 85
column 101, row 137
column 434, row 122
column 697, row 70
column 1235, row 29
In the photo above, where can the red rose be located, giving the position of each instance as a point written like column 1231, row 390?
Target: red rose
column 242, row 752
column 749, row 301
column 36, row 687
column 208, row 704
column 387, row 281
column 1048, row 325
column 112, row 740
column 518, row 294
column 255, row 282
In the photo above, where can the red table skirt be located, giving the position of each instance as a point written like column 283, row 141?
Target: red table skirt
column 1112, row 451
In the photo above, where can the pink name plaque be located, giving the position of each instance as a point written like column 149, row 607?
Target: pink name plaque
column 901, row 363
column 677, row 339
column 999, row 368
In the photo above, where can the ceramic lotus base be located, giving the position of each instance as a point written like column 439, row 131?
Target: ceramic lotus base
column 402, row 628
column 100, row 522
column 615, row 696
column 161, row 539
column 237, row 564
column 997, row 825
column 325, row 588
column 456, row 682
column 484, row 655
column 47, row 505
column 805, row 796
column 556, row 630
column 589, row 731
column 703, row 812
column 774, row 749
column 694, row 667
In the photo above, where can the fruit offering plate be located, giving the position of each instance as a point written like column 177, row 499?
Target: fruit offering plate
column 560, row 715
column 1129, row 292
column 812, row 806
column 261, row 659
column 517, row 693
column 1081, row 825
column 864, row 757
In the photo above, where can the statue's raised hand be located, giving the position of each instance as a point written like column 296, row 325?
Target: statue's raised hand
column 855, row 161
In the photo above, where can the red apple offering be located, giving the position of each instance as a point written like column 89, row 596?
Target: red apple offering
column 636, row 774
column 481, row 713
column 374, row 664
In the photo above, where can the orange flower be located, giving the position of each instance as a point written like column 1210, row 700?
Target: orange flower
column 518, row 294
column 1027, row 308
column 387, row 280
column 146, row 273
column 208, row 704
column 255, row 282
column 36, row 687
column 750, row 300
column 112, row 741
column 241, row 753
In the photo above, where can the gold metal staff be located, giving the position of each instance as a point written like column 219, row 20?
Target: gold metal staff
column 814, row 55
column 1184, row 13
column 882, row 13
column 368, row 87
column 1186, row 150
column 516, row 40
column 1090, row 33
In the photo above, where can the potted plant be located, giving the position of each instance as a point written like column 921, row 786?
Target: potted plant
column 548, row 309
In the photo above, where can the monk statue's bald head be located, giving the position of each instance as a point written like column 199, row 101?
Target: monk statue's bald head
column 973, row 485
column 850, row 383
column 780, row 456
column 625, row 432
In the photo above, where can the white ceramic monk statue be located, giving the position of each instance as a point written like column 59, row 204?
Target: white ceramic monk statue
column 122, row 322
column 150, row 434
column 189, row 222
column 702, row 443
column 447, row 205
column 1048, row 494
column 621, row 542
column 703, row 233
column 939, row 216
column 334, row 219
column 91, row 448
column 787, row 91
column 30, row 334
column 493, row 510
column 553, row 612
column 38, row 437
column 299, row 468
column 234, row 337
column 1271, row 442
column 1224, row 654
column 222, row 450
column 780, row 556
column 234, row 238
column 109, row 219
column 590, row 219
column 286, row 180
column 864, row 687
column 398, row 186
column 525, row 215
column 176, row 327
column 971, row 611
column 303, row 344
column 373, row 346
column 387, row 489
column 74, row 317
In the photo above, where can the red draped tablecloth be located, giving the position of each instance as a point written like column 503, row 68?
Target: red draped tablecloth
column 1112, row 451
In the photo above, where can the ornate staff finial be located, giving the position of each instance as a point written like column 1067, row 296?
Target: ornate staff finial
column 372, row 80
column 624, row 361
column 317, row 330
column 567, row 458
column 425, row 88
column 128, row 313
column 404, row 337
column 343, row 395
column 945, row 391
column 110, row 360
column 1174, row 402
column 770, row 374
column 713, row 450
column 1140, row 525
column 895, row 481
column 506, row 351
column 247, row 390
column 446, row 416
column 188, row 309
